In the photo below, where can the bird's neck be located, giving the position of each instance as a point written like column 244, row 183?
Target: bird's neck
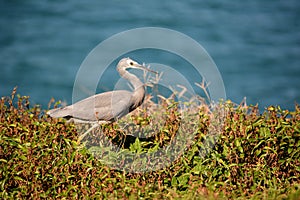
column 139, row 90
column 135, row 82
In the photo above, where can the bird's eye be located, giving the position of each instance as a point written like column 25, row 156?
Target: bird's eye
column 131, row 63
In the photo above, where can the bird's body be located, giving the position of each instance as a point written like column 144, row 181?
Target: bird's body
column 94, row 109
column 107, row 106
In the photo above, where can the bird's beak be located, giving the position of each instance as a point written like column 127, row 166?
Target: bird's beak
column 147, row 69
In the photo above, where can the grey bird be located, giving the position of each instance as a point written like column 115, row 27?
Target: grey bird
column 109, row 106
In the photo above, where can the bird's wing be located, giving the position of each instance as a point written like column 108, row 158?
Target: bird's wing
column 105, row 106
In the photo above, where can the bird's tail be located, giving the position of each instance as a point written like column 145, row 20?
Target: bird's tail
column 59, row 112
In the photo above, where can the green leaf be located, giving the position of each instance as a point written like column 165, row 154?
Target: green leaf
column 174, row 181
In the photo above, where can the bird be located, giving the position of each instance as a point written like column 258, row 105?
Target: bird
column 109, row 106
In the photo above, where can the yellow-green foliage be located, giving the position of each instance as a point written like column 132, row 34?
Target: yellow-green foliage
column 257, row 155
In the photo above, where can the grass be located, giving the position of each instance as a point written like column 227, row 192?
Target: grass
column 256, row 155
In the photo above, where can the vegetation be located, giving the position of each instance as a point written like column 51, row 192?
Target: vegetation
column 256, row 155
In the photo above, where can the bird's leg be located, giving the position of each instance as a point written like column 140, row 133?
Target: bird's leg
column 122, row 142
column 88, row 131
column 95, row 124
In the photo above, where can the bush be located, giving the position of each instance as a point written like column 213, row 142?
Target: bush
column 257, row 155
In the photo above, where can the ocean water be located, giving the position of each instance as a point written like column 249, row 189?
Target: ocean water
column 255, row 44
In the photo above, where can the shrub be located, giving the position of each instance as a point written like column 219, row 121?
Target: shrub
column 257, row 155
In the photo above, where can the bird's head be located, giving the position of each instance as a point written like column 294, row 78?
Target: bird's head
column 126, row 63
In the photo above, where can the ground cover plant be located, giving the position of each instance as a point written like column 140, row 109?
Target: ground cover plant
column 257, row 156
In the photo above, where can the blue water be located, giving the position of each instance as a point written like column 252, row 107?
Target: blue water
column 255, row 44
